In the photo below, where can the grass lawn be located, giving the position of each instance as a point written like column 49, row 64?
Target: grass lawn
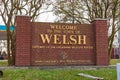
column 63, row 74
column 3, row 63
column 114, row 61
column 56, row 74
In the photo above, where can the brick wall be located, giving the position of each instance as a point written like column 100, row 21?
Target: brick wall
column 101, row 36
column 26, row 37
column 23, row 41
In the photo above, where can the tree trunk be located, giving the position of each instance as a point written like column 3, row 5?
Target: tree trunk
column 110, row 48
column 8, row 45
column 13, row 49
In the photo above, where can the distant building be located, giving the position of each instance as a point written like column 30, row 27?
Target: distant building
column 3, row 35
column 3, row 38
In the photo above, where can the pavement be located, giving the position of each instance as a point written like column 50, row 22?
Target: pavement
column 59, row 67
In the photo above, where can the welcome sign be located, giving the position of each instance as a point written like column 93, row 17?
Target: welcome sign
column 59, row 43
column 66, row 35
column 62, row 43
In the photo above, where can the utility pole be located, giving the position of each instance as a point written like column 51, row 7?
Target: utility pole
column 73, row 21
column 119, row 36
column 119, row 32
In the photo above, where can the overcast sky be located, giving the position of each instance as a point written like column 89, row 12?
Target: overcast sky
column 44, row 17
column 1, row 22
column 47, row 17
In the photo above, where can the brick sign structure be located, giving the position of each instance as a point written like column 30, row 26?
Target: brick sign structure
column 59, row 44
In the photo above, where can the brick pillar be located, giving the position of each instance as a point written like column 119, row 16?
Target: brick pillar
column 23, row 41
column 101, row 36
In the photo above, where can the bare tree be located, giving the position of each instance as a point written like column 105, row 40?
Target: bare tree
column 84, row 11
column 8, row 10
